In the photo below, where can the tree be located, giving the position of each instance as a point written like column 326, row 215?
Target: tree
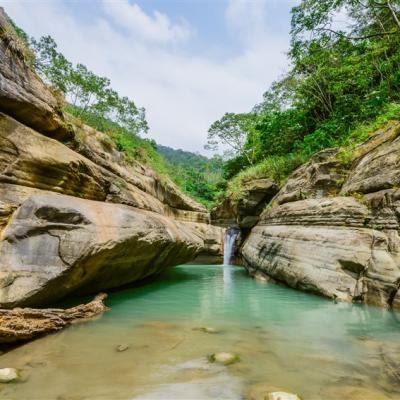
column 231, row 131
column 89, row 96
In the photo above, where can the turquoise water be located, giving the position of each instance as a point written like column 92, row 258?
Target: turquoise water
column 286, row 340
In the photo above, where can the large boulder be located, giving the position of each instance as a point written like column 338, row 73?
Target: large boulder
column 55, row 245
column 328, row 246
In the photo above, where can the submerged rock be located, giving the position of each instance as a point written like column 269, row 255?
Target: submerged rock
column 122, row 347
column 206, row 329
column 8, row 375
column 224, row 358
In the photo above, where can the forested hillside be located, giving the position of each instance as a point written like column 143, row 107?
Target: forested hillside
column 199, row 176
column 343, row 82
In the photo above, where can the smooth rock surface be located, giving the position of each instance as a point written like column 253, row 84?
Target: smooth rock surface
column 224, row 358
column 55, row 245
column 327, row 246
column 282, row 396
column 8, row 375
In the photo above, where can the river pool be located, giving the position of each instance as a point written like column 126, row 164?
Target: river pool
column 286, row 340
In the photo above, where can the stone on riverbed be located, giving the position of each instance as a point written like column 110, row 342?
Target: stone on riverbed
column 224, row 358
column 263, row 391
column 8, row 375
column 282, row 396
column 206, row 329
column 122, row 347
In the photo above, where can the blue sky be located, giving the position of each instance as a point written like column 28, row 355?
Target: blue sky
column 186, row 61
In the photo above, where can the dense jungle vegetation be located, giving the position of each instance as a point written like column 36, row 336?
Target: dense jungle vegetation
column 343, row 82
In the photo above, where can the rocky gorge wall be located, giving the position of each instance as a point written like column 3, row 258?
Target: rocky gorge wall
column 75, row 215
column 334, row 230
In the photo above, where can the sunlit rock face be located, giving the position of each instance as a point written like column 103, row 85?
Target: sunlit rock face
column 335, row 232
column 75, row 215
column 55, row 245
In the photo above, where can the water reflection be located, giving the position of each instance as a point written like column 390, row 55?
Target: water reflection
column 285, row 338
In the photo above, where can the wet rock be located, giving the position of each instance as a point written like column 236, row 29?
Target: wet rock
column 8, row 375
column 282, row 396
column 224, row 358
column 258, row 276
column 22, row 324
column 262, row 391
column 122, row 347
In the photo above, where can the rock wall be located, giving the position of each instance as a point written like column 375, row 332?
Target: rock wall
column 75, row 215
column 244, row 212
column 333, row 231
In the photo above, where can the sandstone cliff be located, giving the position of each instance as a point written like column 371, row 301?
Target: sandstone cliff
column 75, row 215
column 333, row 230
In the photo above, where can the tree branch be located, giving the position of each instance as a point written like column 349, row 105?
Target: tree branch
column 359, row 37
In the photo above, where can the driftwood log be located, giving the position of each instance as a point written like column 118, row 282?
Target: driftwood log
column 23, row 324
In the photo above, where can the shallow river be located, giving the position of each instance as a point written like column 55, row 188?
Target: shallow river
column 286, row 340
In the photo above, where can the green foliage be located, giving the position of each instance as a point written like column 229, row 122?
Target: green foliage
column 90, row 96
column 16, row 41
column 231, row 131
column 200, row 177
column 344, row 83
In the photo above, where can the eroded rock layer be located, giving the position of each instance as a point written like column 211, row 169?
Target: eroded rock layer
column 335, row 232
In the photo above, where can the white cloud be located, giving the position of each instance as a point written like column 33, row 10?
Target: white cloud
column 157, row 28
column 183, row 92
column 247, row 17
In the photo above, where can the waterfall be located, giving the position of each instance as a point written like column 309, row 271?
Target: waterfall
column 229, row 244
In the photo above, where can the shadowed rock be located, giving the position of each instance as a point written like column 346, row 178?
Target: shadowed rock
column 22, row 324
